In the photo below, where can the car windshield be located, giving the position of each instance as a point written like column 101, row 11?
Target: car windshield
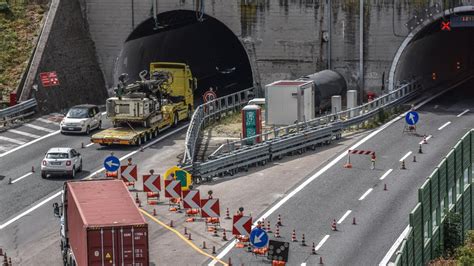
column 77, row 113
column 57, row 155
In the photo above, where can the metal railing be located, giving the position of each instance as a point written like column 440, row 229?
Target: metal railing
column 239, row 155
column 210, row 111
column 20, row 110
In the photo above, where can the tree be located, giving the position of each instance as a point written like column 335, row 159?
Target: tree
column 452, row 233
column 465, row 254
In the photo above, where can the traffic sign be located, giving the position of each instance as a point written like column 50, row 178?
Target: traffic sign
column 191, row 199
column 49, row 79
column 210, row 208
column 209, row 95
column 111, row 163
column 172, row 189
column 278, row 250
column 181, row 175
column 129, row 173
column 241, row 225
column 412, row 118
column 258, row 237
column 151, row 183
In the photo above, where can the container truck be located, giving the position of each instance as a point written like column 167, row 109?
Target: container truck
column 140, row 110
column 101, row 225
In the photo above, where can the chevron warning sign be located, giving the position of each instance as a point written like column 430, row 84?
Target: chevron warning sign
column 210, row 208
column 241, row 225
column 151, row 183
column 191, row 199
column 129, row 173
column 172, row 189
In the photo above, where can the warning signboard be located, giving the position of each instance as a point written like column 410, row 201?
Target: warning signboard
column 241, row 225
column 210, row 208
column 49, row 79
column 129, row 173
column 179, row 174
column 172, row 189
column 191, row 199
column 278, row 250
column 151, row 183
column 209, row 95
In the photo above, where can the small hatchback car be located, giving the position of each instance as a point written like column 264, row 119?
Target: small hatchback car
column 61, row 161
column 81, row 119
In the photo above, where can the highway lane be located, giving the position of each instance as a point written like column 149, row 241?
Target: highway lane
column 382, row 215
column 31, row 188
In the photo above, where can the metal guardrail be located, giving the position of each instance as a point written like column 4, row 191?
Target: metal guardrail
column 209, row 111
column 295, row 138
column 17, row 111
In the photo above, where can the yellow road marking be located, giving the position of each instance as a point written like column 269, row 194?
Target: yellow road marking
column 182, row 237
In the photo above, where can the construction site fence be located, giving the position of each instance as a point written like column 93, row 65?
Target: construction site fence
column 448, row 189
column 296, row 138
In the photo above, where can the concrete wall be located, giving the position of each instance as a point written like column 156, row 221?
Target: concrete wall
column 283, row 38
column 70, row 52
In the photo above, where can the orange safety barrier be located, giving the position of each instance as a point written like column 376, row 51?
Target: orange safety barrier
column 192, row 212
column 152, row 198
column 242, row 238
column 278, row 262
column 260, row 251
column 174, row 204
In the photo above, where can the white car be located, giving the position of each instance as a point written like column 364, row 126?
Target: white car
column 82, row 119
column 61, row 161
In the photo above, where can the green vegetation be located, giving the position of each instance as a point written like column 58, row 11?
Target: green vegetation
column 20, row 23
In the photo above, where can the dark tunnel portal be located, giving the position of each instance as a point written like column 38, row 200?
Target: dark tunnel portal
column 438, row 56
column 213, row 52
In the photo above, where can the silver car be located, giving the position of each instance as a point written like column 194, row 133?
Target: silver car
column 61, row 161
column 81, row 119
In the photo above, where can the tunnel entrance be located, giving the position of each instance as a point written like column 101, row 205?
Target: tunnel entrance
column 215, row 55
column 438, row 51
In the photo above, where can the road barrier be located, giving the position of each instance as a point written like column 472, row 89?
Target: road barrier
column 448, row 188
column 297, row 138
column 18, row 111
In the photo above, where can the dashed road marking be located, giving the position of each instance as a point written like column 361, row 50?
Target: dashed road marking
column 21, row 177
column 23, row 133
column 40, row 128
column 29, row 143
column 461, row 114
column 321, row 243
column 344, row 217
column 90, row 144
column 386, row 174
column 16, row 141
column 406, row 156
column 366, row 193
column 445, row 125
column 47, row 121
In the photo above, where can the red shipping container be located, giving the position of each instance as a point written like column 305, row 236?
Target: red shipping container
column 104, row 225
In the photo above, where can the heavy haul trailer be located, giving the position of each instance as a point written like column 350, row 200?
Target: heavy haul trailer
column 140, row 110
column 101, row 225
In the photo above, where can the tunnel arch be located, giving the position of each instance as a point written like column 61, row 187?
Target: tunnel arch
column 414, row 34
column 216, row 56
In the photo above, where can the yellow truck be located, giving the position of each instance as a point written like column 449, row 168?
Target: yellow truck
column 140, row 110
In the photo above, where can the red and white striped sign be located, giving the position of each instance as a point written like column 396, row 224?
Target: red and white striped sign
column 241, row 225
column 128, row 173
column 191, row 199
column 210, row 208
column 172, row 189
column 362, row 152
column 151, row 183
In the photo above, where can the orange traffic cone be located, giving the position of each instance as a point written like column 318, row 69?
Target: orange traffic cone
column 154, row 212
column 263, row 225
column 425, row 141
column 277, row 232
column 348, row 162
column 171, row 223
column 313, row 249
column 354, row 221
column 385, row 187
column 303, row 241
column 227, row 215
column 214, row 250
column 403, row 165
column 414, row 158
column 279, row 220
column 185, row 230
column 189, row 236
column 420, row 149
column 268, row 227
column 215, row 231
column 32, row 169
column 333, row 225
column 293, row 236
column 203, row 244
column 224, row 236
column 321, row 260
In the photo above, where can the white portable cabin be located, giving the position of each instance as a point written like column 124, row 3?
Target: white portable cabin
column 289, row 101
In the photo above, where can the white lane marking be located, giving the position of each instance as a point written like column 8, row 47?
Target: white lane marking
column 47, row 121
column 40, row 128
column 303, row 264
column 406, row 156
column 21, row 177
column 231, row 244
column 445, row 125
column 29, row 143
column 30, row 210
column 23, row 133
column 394, row 247
column 461, row 114
column 366, row 193
column 16, row 141
column 90, row 144
column 427, row 138
column 344, row 217
column 321, row 243
column 88, row 177
column 386, row 174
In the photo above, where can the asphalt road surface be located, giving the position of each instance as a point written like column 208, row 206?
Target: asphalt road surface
column 343, row 194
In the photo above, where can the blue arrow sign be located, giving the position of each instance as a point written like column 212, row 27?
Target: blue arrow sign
column 412, row 118
column 111, row 164
column 258, row 237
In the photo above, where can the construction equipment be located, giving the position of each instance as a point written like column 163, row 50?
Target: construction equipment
column 140, row 110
